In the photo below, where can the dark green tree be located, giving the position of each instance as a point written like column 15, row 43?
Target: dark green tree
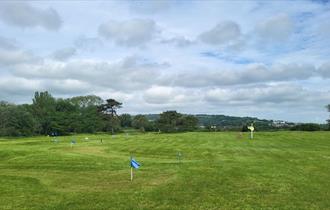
column 16, row 120
column 110, row 107
column 328, row 108
column 125, row 120
column 109, row 112
column 44, row 107
column 306, row 127
column 172, row 121
column 140, row 122
column 188, row 123
column 87, row 118
column 168, row 121
column 66, row 117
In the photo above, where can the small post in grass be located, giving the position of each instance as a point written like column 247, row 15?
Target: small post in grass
column 251, row 128
column 73, row 142
column 134, row 164
column 178, row 156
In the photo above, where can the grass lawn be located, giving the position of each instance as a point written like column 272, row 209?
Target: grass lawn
column 276, row 170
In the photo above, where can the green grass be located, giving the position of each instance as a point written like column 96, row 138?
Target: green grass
column 279, row 170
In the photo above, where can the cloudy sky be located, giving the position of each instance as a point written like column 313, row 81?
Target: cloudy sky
column 268, row 59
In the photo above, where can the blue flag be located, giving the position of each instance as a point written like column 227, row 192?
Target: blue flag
column 134, row 164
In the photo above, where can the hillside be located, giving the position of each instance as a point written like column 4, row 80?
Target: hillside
column 231, row 122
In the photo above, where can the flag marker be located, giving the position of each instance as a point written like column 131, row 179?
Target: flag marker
column 251, row 128
column 73, row 142
column 134, row 164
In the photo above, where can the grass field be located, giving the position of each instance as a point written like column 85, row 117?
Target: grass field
column 279, row 170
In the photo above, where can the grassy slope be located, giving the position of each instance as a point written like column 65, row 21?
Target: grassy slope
column 280, row 170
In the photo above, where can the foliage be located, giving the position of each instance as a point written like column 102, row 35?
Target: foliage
column 328, row 107
column 47, row 116
column 109, row 112
column 172, row 121
column 125, row 120
column 86, row 101
column 44, row 108
column 16, row 121
column 110, row 107
column 306, row 127
column 90, row 114
column 142, row 123
column 245, row 128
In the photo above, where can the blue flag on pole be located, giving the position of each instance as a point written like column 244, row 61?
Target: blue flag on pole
column 134, row 164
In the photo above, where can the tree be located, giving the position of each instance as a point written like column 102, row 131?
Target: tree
column 125, row 120
column 16, row 120
column 87, row 118
column 66, row 117
column 172, row 121
column 140, row 122
column 328, row 107
column 109, row 111
column 306, row 127
column 168, row 121
column 43, row 108
column 110, row 107
column 189, row 123
column 86, row 101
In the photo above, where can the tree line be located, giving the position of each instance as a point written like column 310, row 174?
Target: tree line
column 90, row 114
column 82, row 114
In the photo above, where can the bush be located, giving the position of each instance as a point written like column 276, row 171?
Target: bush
column 306, row 127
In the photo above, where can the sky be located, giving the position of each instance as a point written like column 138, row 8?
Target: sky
column 266, row 59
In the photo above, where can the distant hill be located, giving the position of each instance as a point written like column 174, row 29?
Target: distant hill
column 230, row 122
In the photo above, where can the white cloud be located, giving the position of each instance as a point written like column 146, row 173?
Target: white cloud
column 324, row 70
column 277, row 28
column 263, row 94
column 88, row 43
column 64, row 54
column 179, row 41
column 15, row 57
column 222, row 33
column 253, row 73
column 7, row 44
column 150, row 6
column 166, row 95
column 126, row 74
column 129, row 33
column 23, row 15
column 22, row 86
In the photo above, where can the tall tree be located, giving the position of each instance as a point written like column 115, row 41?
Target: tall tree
column 88, row 119
column 110, row 107
column 168, row 121
column 44, row 107
column 109, row 111
column 328, row 107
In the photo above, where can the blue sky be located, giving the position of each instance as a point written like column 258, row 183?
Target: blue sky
column 268, row 59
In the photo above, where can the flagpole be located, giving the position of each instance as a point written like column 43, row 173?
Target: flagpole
column 131, row 173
